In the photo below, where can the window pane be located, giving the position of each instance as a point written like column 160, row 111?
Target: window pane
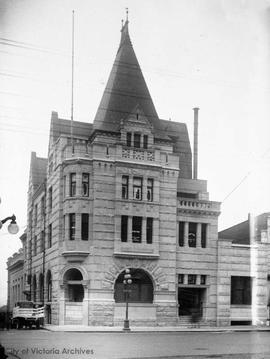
column 72, row 190
column 241, row 292
column 149, row 230
column 192, row 234
column 181, row 234
column 150, row 186
column 137, row 229
column 137, row 188
column 129, row 139
column 203, row 235
column 85, row 184
column 85, row 227
column 137, row 140
column 125, row 187
column 124, row 228
column 72, row 226
column 145, row 141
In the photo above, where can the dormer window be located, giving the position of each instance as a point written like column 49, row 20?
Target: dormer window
column 129, row 136
column 137, row 140
column 145, row 141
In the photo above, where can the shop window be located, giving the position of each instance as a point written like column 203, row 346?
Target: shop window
column 85, row 227
column 192, row 234
column 137, row 140
column 203, row 235
column 72, row 223
column 241, row 292
column 149, row 230
column 181, row 232
column 72, row 184
column 150, row 189
column 141, row 289
column 136, row 229
column 85, row 184
column 192, row 278
column 124, row 228
column 125, row 187
column 137, row 188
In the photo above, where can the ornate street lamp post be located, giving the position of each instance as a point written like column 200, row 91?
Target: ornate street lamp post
column 127, row 281
column 13, row 227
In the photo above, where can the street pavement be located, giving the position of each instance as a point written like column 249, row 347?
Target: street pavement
column 45, row 344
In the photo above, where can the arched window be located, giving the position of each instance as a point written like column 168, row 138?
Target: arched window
column 41, row 287
column 49, row 286
column 141, row 289
column 74, row 291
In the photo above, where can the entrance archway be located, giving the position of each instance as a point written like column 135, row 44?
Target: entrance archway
column 74, row 291
column 141, row 289
column 73, row 296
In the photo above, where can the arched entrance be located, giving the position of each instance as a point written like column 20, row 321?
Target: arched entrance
column 75, row 311
column 141, row 289
column 74, row 291
column 142, row 311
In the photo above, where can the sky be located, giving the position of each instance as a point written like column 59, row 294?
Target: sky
column 211, row 54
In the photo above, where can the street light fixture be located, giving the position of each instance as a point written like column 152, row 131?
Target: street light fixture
column 127, row 282
column 13, row 227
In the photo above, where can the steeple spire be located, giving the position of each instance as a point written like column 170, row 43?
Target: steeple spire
column 126, row 88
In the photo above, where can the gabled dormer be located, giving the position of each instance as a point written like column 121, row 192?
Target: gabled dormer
column 137, row 130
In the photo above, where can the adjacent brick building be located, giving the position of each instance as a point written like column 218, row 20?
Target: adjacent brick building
column 119, row 193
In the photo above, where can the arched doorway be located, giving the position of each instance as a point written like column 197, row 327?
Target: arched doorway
column 74, row 296
column 41, row 287
column 74, row 291
column 141, row 289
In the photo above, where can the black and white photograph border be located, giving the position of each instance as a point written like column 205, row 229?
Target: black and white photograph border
column 134, row 186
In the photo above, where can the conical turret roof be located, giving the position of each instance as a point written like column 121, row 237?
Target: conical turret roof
column 125, row 89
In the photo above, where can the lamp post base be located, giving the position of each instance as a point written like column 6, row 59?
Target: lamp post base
column 126, row 325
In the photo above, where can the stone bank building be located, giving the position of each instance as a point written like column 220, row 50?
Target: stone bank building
column 120, row 193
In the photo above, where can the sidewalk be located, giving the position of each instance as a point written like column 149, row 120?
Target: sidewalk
column 107, row 329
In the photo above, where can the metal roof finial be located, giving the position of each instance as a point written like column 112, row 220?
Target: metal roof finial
column 126, row 14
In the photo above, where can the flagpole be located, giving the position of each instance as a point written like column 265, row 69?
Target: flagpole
column 72, row 85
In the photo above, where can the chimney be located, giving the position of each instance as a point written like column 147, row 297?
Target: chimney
column 195, row 144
